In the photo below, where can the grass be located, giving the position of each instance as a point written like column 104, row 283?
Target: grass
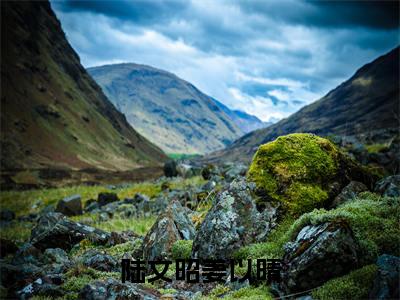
column 354, row 285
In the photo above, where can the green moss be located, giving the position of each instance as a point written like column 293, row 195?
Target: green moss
column 118, row 251
column 249, row 293
column 373, row 219
column 182, row 249
column 294, row 170
column 376, row 148
column 355, row 285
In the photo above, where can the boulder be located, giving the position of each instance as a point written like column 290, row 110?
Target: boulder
column 54, row 230
column 389, row 186
column 302, row 171
column 55, row 255
column 318, row 253
column 349, row 192
column 173, row 225
column 115, row 289
column 41, row 288
column 99, row 261
column 386, row 283
column 231, row 223
column 170, row 169
column 70, row 206
column 106, row 198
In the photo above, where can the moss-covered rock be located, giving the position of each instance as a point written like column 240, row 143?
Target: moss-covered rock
column 301, row 172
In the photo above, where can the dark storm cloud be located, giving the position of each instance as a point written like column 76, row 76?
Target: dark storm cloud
column 339, row 14
column 268, row 58
column 138, row 11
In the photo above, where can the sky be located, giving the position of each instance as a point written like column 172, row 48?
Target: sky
column 267, row 58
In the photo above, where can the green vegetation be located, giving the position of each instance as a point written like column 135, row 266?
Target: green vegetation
column 248, row 293
column 373, row 219
column 376, row 148
column 302, row 163
column 355, row 285
column 178, row 156
column 182, row 249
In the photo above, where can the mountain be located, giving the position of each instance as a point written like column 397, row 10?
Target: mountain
column 169, row 111
column 366, row 105
column 53, row 114
column 243, row 120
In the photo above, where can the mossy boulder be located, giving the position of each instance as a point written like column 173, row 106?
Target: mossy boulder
column 301, row 172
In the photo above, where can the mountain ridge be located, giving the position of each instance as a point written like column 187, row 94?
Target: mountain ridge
column 168, row 110
column 66, row 120
column 365, row 105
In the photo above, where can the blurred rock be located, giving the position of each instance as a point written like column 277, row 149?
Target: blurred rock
column 349, row 192
column 70, row 206
column 386, row 283
column 389, row 186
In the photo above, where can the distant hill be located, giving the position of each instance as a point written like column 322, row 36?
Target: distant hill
column 366, row 105
column 53, row 114
column 169, row 111
column 243, row 120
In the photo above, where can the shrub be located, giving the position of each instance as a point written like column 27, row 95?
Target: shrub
column 182, row 249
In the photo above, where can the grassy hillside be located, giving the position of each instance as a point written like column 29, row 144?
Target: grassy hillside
column 52, row 113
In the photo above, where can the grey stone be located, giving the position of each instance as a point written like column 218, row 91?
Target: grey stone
column 70, row 206
column 54, row 230
column 173, row 225
column 319, row 253
column 231, row 223
column 386, row 283
column 349, row 192
column 389, row 186
column 106, row 198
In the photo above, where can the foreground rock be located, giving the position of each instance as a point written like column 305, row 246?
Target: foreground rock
column 115, row 289
column 318, row 254
column 171, row 226
column 349, row 192
column 70, row 206
column 54, row 230
column 389, row 186
column 232, row 222
column 302, row 172
column 386, row 283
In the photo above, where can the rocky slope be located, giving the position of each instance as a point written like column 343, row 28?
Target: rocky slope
column 53, row 114
column 366, row 106
column 169, row 111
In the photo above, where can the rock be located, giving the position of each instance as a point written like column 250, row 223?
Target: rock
column 231, row 223
column 15, row 277
column 208, row 171
column 171, row 226
column 7, row 247
column 7, row 215
column 106, row 198
column 41, row 288
column 302, row 171
column 349, row 192
column 319, row 253
column 55, row 255
column 170, row 169
column 27, row 254
column 389, row 186
column 70, row 206
column 234, row 170
column 56, row 231
column 209, row 186
column 139, row 198
column 185, row 170
column 121, row 237
column 386, row 283
column 99, row 261
column 114, row 289
column 91, row 205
